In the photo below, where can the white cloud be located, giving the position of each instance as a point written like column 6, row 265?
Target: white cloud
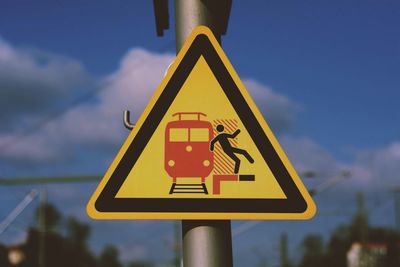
column 32, row 149
column 279, row 111
column 98, row 125
column 130, row 87
column 370, row 171
column 306, row 156
column 33, row 83
column 378, row 169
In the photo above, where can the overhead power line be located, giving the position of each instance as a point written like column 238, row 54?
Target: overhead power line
column 49, row 180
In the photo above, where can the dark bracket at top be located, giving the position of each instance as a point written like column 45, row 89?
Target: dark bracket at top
column 162, row 16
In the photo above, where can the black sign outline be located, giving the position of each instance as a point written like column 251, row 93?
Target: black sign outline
column 201, row 46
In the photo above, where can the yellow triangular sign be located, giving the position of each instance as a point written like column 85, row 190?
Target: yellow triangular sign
column 201, row 150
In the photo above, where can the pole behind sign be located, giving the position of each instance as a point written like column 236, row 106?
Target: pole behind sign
column 205, row 243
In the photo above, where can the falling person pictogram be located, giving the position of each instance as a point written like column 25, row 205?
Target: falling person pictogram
column 229, row 150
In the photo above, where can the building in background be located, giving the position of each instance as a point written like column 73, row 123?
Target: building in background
column 366, row 255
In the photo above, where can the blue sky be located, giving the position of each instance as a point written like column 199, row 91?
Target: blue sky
column 325, row 74
column 338, row 59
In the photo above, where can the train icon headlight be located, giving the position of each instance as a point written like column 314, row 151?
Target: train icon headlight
column 171, row 163
column 189, row 148
column 206, row 163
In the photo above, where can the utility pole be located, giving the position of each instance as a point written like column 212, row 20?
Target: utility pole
column 177, row 261
column 396, row 192
column 205, row 243
column 42, row 227
column 283, row 251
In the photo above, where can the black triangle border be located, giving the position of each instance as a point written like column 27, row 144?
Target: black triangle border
column 201, row 46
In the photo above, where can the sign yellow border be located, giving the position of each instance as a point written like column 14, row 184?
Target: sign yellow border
column 310, row 209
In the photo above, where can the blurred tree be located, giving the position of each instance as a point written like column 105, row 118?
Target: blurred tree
column 4, row 257
column 312, row 249
column 344, row 236
column 76, row 249
column 140, row 264
column 53, row 249
column 109, row 257
column 338, row 245
column 60, row 251
column 77, row 232
column 393, row 251
column 358, row 230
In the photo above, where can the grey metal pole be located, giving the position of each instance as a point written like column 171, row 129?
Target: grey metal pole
column 205, row 243
column 18, row 210
column 191, row 13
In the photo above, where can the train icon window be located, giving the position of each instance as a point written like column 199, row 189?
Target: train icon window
column 199, row 134
column 189, row 134
column 178, row 134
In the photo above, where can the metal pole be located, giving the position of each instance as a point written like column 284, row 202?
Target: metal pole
column 205, row 243
column 42, row 219
column 17, row 210
column 191, row 13
column 396, row 192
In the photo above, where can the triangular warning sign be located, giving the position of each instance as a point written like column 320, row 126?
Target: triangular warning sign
column 201, row 150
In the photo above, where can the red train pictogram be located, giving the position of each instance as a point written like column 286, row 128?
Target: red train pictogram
column 187, row 148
